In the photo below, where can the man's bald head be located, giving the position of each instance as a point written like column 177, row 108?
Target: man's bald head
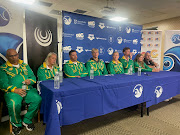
column 12, row 56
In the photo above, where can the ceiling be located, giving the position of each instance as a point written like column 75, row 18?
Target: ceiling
column 137, row 11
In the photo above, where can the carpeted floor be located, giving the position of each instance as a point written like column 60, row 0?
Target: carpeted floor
column 164, row 119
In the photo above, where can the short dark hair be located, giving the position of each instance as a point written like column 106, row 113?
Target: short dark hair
column 71, row 52
column 126, row 48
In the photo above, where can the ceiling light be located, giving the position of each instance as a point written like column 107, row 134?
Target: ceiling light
column 118, row 19
column 30, row 2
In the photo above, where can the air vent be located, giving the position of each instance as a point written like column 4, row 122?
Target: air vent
column 56, row 12
column 42, row 3
column 79, row 11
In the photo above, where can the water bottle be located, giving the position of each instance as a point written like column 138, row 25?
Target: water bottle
column 92, row 73
column 56, row 81
column 130, row 70
column 60, row 76
column 24, row 86
column 139, row 71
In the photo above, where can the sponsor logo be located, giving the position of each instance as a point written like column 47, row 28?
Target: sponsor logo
column 67, row 49
column 4, row 16
column 79, row 22
column 43, row 40
column 111, row 27
column 79, row 49
column 91, row 24
column 157, row 39
column 135, row 41
column 158, row 91
column 127, row 41
column 150, row 39
column 156, row 45
column 119, row 40
column 101, row 50
column 128, row 29
column 67, row 20
column 91, row 36
column 138, row 89
column 176, row 38
column 101, row 25
column 110, row 51
column 119, row 51
column 68, row 35
column 134, row 51
column 99, row 38
column 154, row 53
column 87, row 50
column 149, row 45
column 120, row 29
column 110, row 39
column 135, row 31
column 59, row 106
column 80, row 36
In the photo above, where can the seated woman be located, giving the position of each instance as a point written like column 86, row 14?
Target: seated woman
column 139, row 61
column 115, row 66
column 48, row 69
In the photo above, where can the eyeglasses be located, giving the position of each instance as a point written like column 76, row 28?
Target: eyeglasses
column 13, row 55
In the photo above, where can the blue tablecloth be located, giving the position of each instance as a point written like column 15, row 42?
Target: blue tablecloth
column 82, row 98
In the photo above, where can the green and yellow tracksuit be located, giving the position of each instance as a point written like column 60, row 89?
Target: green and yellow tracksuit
column 12, row 78
column 99, row 67
column 145, row 69
column 72, row 70
column 46, row 74
column 114, row 68
column 126, row 64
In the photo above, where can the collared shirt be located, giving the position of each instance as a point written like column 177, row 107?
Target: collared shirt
column 12, row 77
column 46, row 73
column 127, row 64
column 115, row 68
column 72, row 69
column 98, row 66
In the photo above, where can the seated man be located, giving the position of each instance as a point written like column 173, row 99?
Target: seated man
column 14, row 75
column 138, row 61
column 126, row 60
column 149, row 61
column 115, row 66
column 74, row 68
column 48, row 69
column 97, row 64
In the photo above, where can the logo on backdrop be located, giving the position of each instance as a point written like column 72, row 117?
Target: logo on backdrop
column 134, row 51
column 110, row 39
column 91, row 24
column 138, row 89
column 80, row 36
column 79, row 22
column 101, row 50
column 135, row 41
column 110, row 51
column 4, row 16
column 79, row 49
column 59, row 106
column 101, row 25
column 158, row 91
column 67, row 49
column 176, row 38
column 120, row 40
column 91, row 36
column 120, row 29
column 43, row 40
column 128, row 29
column 67, row 20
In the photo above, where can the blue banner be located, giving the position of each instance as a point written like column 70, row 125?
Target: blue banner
column 82, row 33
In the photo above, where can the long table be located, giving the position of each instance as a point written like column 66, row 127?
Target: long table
column 83, row 98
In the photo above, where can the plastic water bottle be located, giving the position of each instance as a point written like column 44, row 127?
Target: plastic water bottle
column 139, row 71
column 56, row 81
column 60, row 76
column 92, row 73
column 24, row 86
column 130, row 70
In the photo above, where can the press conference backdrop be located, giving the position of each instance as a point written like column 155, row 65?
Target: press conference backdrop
column 82, row 33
